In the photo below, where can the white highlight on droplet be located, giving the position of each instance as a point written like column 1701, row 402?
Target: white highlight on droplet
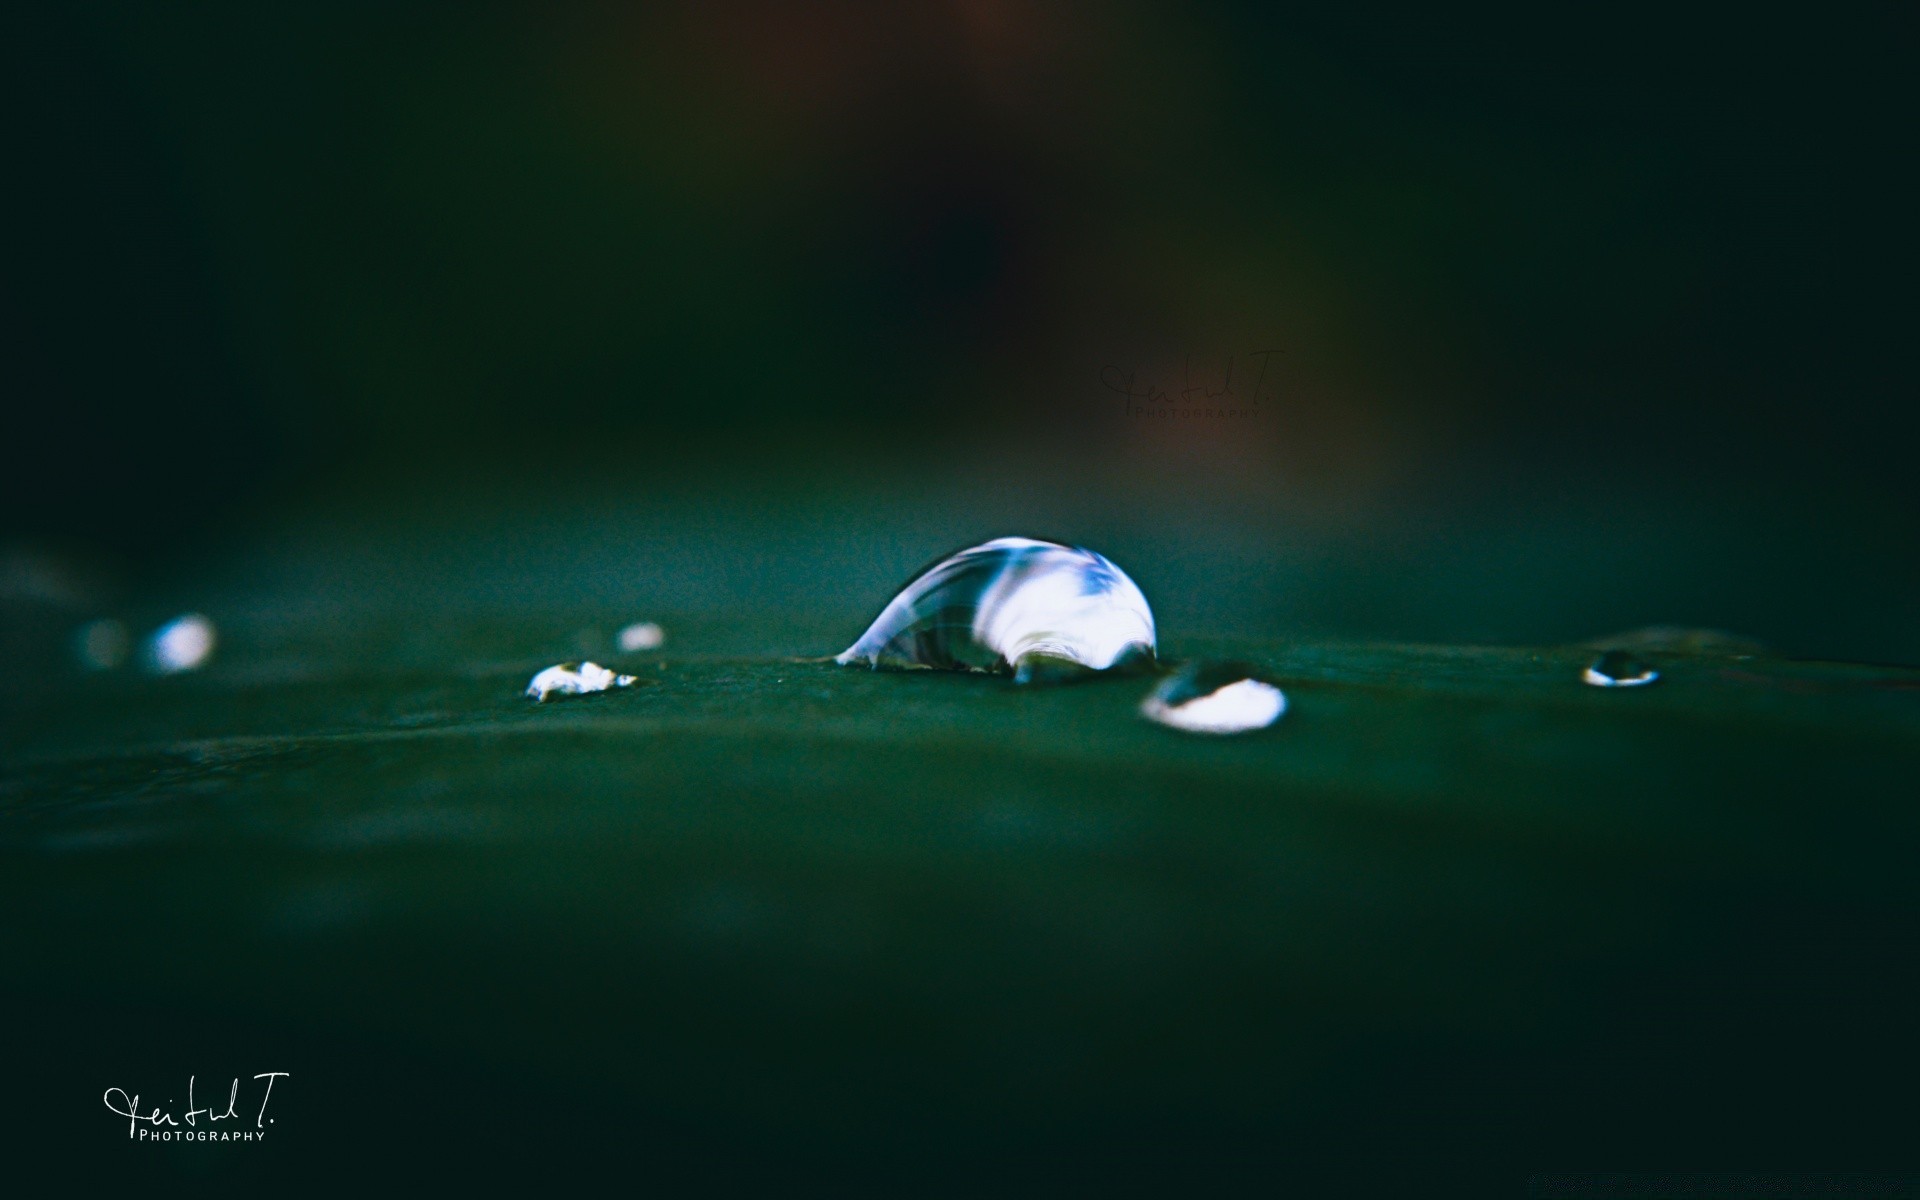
column 1594, row 677
column 102, row 645
column 182, row 644
column 1053, row 611
column 574, row 679
column 1235, row 708
column 641, row 635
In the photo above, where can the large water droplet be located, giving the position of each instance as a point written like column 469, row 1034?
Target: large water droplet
column 1039, row 609
column 575, row 679
column 1617, row 668
column 1214, row 697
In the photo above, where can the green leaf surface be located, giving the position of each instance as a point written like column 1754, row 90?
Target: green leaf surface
column 757, row 891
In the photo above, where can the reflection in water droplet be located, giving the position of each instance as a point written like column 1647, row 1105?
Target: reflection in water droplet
column 1207, row 697
column 102, row 645
column 1617, row 668
column 1043, row 610
column 641, row 635
column 182, row 644
column 574, row 679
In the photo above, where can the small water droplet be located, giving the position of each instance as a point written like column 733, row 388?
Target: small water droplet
column 1214, row 697
column 1617, row 668
column 641, row 635
column 102, row 645
column 182, row 644
column 575, row 679
column 1042, row 610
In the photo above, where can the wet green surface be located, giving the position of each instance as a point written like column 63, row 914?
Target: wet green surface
column 805, row 919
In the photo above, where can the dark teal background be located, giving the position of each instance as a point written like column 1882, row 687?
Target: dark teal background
column 1577, row 322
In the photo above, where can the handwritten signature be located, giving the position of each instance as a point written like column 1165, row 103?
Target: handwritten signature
column 1128, row 384
column 130, row 1106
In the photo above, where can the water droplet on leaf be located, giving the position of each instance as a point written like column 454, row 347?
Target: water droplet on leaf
column 1617, row 668
column 182, row 644
column 641, row 635
column 1214, row 697
column 1044, row 611
column 575, row 679
column 102, row 645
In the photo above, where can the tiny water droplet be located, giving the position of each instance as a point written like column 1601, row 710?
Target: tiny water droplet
column 1042, row 610
column 182, row 644
column 1214, row 697
column 102, row 645
column 641, row 635
column 574, row 679
column 1617, row 668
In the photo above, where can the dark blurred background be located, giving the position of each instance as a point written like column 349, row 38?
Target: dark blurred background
column 1563, row 321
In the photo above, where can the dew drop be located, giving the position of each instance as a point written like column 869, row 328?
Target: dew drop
column 641, row 635
column 1041, row 610
column 102, row 645
column 1617, row 668
column 574, row 679
column 182, row 644
column 1214, row 697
